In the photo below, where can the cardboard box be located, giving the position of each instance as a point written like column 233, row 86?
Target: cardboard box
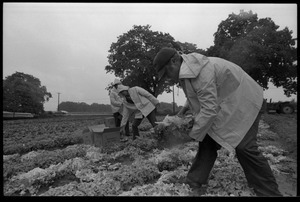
column 100, row 135
column 110, row 122
column 109, row 135
column 86, row 136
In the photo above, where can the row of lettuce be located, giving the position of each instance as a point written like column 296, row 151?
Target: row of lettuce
column 134, row 168
column 110, row 170
column 52, row 151
column 22, row 136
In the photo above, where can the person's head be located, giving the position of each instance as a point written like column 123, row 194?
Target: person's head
column 123, row 90
column 116, row 83
column 167, row 63
column 124, row 93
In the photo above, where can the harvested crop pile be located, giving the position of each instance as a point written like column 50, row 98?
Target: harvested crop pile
column 173, row 130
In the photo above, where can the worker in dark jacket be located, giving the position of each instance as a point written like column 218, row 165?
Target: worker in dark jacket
column 226, row 103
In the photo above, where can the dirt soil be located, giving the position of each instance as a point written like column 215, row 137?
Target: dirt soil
column 284, row 127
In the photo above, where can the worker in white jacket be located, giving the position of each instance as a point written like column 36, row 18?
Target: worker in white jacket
column 116, row 104
column 139, row 102
column 226, row 103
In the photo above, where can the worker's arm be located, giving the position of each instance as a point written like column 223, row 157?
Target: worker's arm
column 149, row 96
column 206, row 89
column 184, row 109
column 114, row 99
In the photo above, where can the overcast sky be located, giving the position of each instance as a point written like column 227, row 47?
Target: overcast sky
column 66, row 45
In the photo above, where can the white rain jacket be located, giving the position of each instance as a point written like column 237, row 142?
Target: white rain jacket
column 116, row 101
column 144, row 102
column 225, row 99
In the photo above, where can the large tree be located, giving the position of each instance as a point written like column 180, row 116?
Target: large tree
column 24, row 93
column 187, row 48
column 131, row 58
column 264, row 52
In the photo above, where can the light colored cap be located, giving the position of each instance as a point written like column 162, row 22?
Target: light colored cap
column 117, row 81
column 122, row 88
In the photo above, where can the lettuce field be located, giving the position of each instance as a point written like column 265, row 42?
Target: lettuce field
column 47, row 157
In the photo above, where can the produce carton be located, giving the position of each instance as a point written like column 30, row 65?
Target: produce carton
column 100, row 135
column 110, row 122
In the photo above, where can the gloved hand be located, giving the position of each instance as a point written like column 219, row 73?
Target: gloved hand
column 182, row 111
column 122, row 131
column 180, row 114
column 189, row 127
column 191, row 124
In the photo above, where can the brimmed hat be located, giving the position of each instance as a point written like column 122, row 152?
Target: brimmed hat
column 117, row 81
column 161, row 59
column 122, row 88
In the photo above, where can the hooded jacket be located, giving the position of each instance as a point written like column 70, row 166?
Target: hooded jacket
column 223, row 97
column 115, row 101
column 144, row 102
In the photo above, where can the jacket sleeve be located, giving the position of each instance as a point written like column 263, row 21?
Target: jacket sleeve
column 113, row 99
column 205, row 87
column 148, row 95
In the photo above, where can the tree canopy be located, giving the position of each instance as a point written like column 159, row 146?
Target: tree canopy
column 264, row 52
column 24, row 93
column 131, row 58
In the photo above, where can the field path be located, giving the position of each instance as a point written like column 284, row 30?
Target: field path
column 281, row 132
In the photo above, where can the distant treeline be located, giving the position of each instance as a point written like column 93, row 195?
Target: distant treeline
column 167, row 108
column 83, row 107
column 163, row 109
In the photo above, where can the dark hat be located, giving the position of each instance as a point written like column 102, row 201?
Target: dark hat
column 161, row 59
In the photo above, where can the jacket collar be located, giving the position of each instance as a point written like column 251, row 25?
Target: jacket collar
column 113, row 89
column 191, row 65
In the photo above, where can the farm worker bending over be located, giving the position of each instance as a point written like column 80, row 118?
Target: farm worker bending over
column 137, row 101
column 116, row 104
column 226, row 103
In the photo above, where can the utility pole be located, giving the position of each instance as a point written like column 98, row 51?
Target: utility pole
column 58, row 102
column 173, row 102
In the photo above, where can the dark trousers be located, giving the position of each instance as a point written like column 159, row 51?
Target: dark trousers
column 118, row 119
column 151, row 118
column 257, row 170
